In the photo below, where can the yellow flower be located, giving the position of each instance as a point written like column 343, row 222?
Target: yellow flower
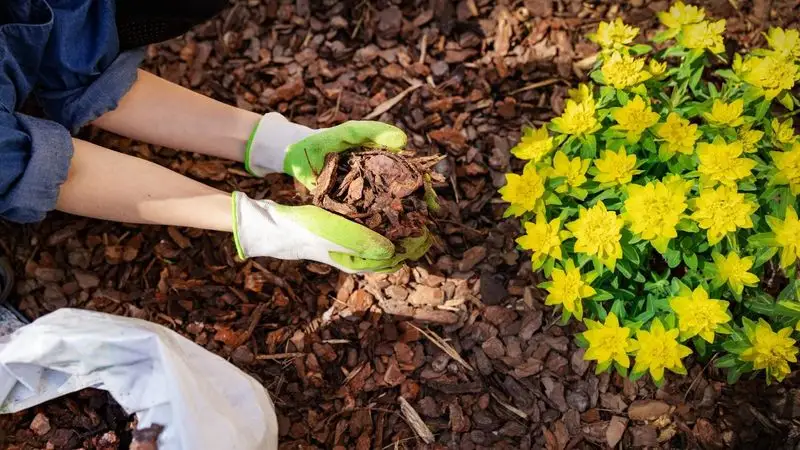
column 783, row 131
column 658, row 349
column 769, row 350
column 578, row 118
column 656, row 68
column 722, row 210
column 635, row 117
column 720, row 162
column 544, row 239
column 608, row 342
column 787, row 236
column 653, row 212
column 614, row 34
column 788, row 165
column 581, row 93
column 679, row 135
column 750, row 139
column 786, row 43
column 574, row 170
column 598, row 232
column 615, row 168
column 534, row 144
column 568, row 288
column 676, row 183
column 680, row 14
column 771, row 74
column 703, row 35
column 726, row 114
column 733, row 270
column 624, row 71
column 699, row 315
column 523, row 192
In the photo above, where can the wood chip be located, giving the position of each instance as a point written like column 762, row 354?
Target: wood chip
column 444, row 346
column 388, row 104
column 415, row 421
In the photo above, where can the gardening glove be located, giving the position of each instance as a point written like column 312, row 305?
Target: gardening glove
column 265, row 228
column 278, row 145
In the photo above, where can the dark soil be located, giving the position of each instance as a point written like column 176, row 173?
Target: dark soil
column 463, row 338
column 379, row 189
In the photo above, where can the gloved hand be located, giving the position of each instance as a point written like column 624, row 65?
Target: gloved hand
column 265, row 228
column 278, row 145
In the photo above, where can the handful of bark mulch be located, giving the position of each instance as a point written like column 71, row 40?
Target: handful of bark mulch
column 389, row 193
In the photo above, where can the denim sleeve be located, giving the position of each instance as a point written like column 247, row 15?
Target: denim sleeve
column 34, row 160
column 83, row 74
column 34, row 153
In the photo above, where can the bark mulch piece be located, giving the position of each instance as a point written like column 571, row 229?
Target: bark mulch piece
column 382, row 190
column 459, row 347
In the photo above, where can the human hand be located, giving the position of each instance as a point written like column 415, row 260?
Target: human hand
column 278, row 145
column 265, row 228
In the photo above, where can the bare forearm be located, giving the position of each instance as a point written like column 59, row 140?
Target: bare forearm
column 164, row 113
column 108, row 185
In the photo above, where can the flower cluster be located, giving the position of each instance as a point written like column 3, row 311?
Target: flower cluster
column 660, row 197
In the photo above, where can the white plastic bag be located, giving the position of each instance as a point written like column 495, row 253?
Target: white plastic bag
column 203, row 401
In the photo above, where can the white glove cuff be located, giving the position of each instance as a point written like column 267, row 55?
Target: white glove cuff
column 261, row 230
column 269, row 142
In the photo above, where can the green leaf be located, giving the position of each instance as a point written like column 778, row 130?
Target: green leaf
column 691, row 260
column 726, row 361
column 747, row 187
column 640, row 49
column 696, row 76
column 785, row 99
column 623, row 372
column 622, row 97
column 630, row 254
column 581, row 341
column 726, row 74
column 649, row 144
column 602, row 367
column 700, row 346
column 764, row 255
column 761, row 240
column 688, row 226
column 634, row 376
column 602, row 296
column 673, row 258
column 618, row 308
column 762, row 110
column 735, row 373
column 597, row 77
column 589, row 147
column 596, row 310
column 790, row 292
column 624, row 269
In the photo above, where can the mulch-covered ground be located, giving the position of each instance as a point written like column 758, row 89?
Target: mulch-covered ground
column 462, row 339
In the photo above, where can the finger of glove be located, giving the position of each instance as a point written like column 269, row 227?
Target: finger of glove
column 362, row 241
column 414, row 248
column 356, row 133
column 306, row 158
column 354, row 264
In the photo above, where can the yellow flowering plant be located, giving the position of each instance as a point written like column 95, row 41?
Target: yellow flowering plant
column 661, row 203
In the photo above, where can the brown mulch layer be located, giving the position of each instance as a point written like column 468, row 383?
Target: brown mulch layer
column 382, row 190
column 456, row 352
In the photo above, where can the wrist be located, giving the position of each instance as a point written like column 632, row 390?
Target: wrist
column 266, row 149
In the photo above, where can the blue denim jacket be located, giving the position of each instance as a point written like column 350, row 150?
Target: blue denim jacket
column 66, row 54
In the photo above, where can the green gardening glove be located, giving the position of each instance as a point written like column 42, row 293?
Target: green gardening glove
column 265, row 228
column 278, row 145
